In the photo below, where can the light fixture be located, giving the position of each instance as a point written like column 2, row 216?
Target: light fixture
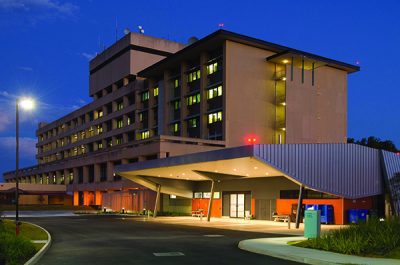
column 283, row 78
column 235, row 169
column 285, row 61
column 283, row 103
column 255, row 168
column 283, row 129
column 266, row 173
column 26, row 103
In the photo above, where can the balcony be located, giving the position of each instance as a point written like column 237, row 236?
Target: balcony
column 214, row 103
column 194, row 109
column 194, row 85
column 214, row 78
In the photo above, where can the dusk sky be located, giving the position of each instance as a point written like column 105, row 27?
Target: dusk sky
column 46, row 46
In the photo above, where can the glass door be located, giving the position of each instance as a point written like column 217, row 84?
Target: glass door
column 237, row 205
column 233, row 204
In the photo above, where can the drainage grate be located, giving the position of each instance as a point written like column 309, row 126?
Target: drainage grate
column 168, row 254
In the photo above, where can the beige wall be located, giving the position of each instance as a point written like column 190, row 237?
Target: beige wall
column 316, row 114
column 249, row 94
column 129, row 62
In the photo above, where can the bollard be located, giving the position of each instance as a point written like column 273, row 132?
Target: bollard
column 201, row 216
column 288, row 223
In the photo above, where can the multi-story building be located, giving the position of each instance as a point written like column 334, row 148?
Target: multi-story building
column 159, row 100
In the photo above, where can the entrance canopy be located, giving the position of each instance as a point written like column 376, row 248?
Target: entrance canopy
column 345, row 170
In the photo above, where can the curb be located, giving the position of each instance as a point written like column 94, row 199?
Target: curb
column 43, row 250
column 278, row 248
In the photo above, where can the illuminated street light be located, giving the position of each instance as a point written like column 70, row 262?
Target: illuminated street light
column 25, row 104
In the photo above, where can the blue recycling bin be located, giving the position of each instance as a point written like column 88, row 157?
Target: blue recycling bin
column 355, row 216
column 326, row 212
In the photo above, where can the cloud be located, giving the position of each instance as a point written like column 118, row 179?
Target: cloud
column 25, row 68
column 38, row 5
column 5, row 121
column 88, row 56
column 27, row 146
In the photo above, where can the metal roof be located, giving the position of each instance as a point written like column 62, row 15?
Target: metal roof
column 391, row 170
column 347, row 170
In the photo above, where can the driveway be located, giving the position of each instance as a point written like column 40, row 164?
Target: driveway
column 133, row 240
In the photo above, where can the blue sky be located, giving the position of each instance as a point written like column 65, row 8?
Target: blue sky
column 46, row 45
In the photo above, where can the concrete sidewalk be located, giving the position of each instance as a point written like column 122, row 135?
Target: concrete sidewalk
column 278, row 247
column 50, row 213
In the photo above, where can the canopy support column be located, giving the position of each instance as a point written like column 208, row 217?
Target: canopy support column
column 299, row 206
column 157, row 199
column 211, row 201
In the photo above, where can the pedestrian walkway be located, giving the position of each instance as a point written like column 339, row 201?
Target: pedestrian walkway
column 278, row 247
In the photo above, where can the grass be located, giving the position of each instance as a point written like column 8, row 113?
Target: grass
column 18, row 250
column 372, row 239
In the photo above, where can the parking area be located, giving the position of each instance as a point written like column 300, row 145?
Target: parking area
column 105, row 239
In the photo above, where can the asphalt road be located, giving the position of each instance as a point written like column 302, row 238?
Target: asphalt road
column 116, row 240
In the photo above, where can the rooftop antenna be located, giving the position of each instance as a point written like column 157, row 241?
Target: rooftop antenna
column 127, row 31
column 141, row 29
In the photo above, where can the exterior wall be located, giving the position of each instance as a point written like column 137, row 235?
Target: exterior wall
column 316, row 114
column 130, row 62
column 178, row 205
column 33, row 200
column 132, row 201
column 216, row 210
column 249, row 94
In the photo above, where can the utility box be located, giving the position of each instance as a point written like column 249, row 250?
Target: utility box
column 312, row 223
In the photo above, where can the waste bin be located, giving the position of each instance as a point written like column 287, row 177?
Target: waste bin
column 326, row 212
column 352, row 216
column 362, row 215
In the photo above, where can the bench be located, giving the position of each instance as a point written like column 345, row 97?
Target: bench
column 198, row 213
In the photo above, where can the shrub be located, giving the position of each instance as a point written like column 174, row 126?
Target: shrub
column 15, row 250
column 371, row 238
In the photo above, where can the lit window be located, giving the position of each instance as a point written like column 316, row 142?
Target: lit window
column 177, row 105
column 155, row 92
column 91, row 131
column 175, row 127
column 212, row 68
column 120, row 123
column 194, row 99
column 118, row 140
column 75, row 151
column 145, row 135
column 192, row 123
column 100, row 114
column 74, row 138
column 145, row 96
column 83, row 149
column 193, row 76
column 214, row 117
column 120, row 105
column 140, row 116
column 176, row 83
column 214, row 92
column 83, row 135
column 99, row 145
column 99, row 129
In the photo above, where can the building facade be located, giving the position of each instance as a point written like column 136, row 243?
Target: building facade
column 155, row 99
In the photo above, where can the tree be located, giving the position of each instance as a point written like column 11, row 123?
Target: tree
column 375, row 142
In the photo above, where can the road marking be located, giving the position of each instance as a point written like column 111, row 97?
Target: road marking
column 213, row 235
column 168, row 254
column 39, row 241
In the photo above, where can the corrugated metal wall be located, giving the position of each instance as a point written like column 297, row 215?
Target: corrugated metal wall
column 391, row 168
column 347, row 170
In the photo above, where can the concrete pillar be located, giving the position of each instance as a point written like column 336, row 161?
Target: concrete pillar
column 157, row 200
column 97, row 173
column 86, row 198
column 76, row 198
column 85, row 174
column 299, row 206
column 98, row 198
column 58, row 177
column 66, row 176
column 110, row 171
column 210, row 202
column 203, row 96
column 76, row 177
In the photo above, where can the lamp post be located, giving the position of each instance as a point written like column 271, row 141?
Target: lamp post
column 27, row 104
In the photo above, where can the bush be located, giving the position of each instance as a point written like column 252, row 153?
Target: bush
column 15, row 250
column 372, row 238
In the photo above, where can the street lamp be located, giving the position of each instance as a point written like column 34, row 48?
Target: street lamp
column 26, row 104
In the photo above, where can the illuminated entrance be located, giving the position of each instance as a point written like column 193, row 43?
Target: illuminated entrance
column 237, row 205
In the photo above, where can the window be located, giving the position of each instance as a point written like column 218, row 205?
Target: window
column 177, row 104
column 120, row 123
column 120, row 105
column 194, row 99
column 175, row 127
column 145, row 135
column 71, row 176
column 90, row 131
column 145, row 96
column 75, row 151
column 176, row 83
column 74, row 138
column 214, row 117
column 193, row 76
column 83, row 134
column 214, row 92
column 83, row 149
column 192, row 123
column 99, row 129
column 100, row 113
column 155, row 92
column 118, row 140
column 212, row 68
column 109, row 142
column 141, row 116
column 99, row 145
column 198, row 195
column 131, row 118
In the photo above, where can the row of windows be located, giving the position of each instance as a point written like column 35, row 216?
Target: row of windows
column 93, row 115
